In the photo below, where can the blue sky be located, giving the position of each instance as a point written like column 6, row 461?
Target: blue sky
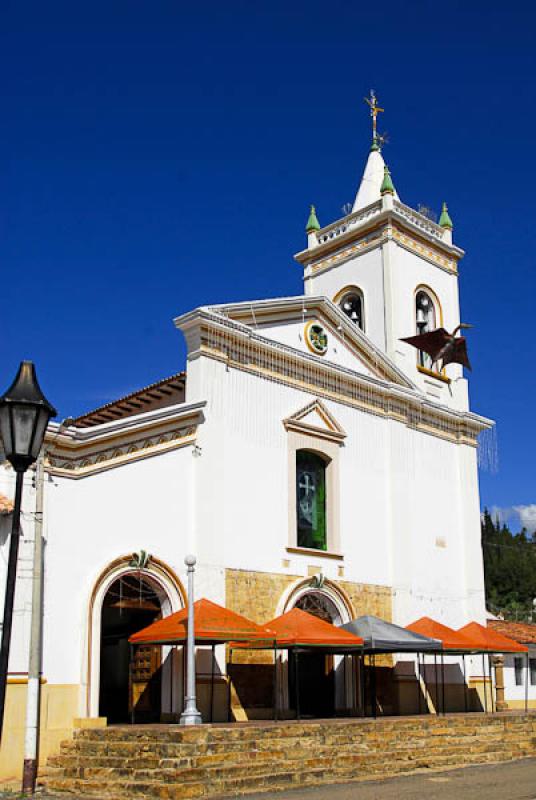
column 155, row 156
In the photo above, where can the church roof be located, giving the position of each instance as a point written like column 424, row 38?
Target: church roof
column 491, row 640
column 166, row 392
column 371, row 183
column 523, row 632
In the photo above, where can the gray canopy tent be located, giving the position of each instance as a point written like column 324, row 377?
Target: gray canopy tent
column 380, row 636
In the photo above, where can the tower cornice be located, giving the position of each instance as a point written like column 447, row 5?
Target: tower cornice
column 343, row 232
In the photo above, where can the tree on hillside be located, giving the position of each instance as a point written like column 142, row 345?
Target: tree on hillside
column 509, row 568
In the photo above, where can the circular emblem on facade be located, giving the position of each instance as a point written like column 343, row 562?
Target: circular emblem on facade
column 316, row 338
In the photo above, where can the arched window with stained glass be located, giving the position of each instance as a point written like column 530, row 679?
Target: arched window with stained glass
column 311, row 500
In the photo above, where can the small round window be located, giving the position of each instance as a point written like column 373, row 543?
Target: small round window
column 316, row 338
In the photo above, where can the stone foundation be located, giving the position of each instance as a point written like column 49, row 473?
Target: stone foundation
column 229, row 760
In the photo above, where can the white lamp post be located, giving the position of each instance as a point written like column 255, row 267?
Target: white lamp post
column 190, row 715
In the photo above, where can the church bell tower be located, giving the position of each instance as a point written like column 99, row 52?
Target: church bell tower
column 393, row 271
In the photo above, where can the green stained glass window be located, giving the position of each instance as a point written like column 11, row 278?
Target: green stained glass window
column 311, row 500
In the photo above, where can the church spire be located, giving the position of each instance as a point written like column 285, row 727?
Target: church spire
column 371, row 187
column 374, row 111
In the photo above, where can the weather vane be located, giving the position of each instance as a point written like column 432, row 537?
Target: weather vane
column 374, row 111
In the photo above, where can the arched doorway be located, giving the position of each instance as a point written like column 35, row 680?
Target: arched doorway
column 315, row 672
column 114, row 608
column 126, row 686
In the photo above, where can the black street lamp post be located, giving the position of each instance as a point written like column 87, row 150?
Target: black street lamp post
column 24, row 415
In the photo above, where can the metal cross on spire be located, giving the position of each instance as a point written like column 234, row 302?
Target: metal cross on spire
column 374, row 111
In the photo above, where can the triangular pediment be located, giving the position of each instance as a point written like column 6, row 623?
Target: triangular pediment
column 316, row 420
column 288, row 320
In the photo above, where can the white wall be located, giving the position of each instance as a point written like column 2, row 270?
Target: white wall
column 20, row 637
column 93, row 521
column 511, row 690
column 409, row 514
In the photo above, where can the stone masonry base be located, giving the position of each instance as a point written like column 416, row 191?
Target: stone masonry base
column 222, row 760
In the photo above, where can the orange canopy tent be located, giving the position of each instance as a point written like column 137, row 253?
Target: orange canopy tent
column 213, row 625
column 297, row 631
column 451, row 640
column 297, row 628
column 490, row 641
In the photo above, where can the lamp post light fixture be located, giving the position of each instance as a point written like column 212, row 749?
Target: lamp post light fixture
column 190, row 715
column 24, row 416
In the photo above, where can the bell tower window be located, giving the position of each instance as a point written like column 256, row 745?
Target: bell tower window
column 351, row 302
column 425, row 319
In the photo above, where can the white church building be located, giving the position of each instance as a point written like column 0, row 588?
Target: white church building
column 307, row 457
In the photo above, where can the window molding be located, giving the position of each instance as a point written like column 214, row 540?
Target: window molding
column 325, row 442
column 332, row 431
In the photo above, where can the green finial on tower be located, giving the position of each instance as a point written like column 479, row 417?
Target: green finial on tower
column 387, row 183
column 445, row 220
column 312, row 223
column 375, row 146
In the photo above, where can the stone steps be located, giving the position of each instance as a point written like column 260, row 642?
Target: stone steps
column 213, row 761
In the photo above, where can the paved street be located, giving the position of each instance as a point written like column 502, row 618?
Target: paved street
column 511, row 781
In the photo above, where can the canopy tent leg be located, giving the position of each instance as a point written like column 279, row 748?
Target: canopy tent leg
column 419, row 693
column 212, row 683
column 297, row 682
column 275, row 684
column 131, row 686
column 229, row 685
column 362, row 691
column 527, row 685
column 443, row 683
column 465, row 704
column 346, row 709
column 436, row 692
column 485, row 687
column 374, row 687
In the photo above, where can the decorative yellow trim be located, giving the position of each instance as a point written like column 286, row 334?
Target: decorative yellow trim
column 23, row 681
column 323, row 380
column 98, row 460
column 425, row 250
column 439, row 376
column 309, row 551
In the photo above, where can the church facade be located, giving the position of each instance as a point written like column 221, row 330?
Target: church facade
column 306, row 455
